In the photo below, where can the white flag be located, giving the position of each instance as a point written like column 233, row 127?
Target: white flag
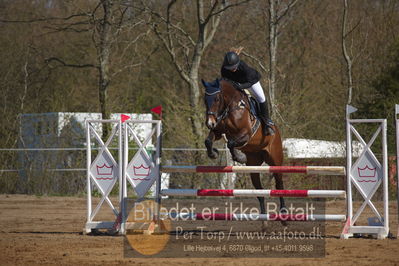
column 350, row 109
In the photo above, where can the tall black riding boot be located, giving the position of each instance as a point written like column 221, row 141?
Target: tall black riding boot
column 264, row 116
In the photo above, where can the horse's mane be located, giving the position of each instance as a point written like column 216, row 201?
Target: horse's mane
column 231, row 89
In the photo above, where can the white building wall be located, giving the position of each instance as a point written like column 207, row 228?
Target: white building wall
column 41, row 129
column 309, row 148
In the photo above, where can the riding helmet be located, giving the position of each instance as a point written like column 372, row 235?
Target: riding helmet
column 231, row 60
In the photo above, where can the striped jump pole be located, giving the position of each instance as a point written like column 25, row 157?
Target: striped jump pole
column 319, row 170
column 255, row 217
column 254, row 193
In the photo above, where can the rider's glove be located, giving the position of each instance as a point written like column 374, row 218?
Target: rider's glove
column 238, row 85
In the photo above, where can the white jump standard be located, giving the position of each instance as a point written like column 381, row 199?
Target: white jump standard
column 366, row 174
column 103, row 172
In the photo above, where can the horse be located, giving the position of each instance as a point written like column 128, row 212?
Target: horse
column 228, row 113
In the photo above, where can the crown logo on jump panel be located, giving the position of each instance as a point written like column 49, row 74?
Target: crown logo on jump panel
column 105, row 169
column 141, row 170
column 367, row 172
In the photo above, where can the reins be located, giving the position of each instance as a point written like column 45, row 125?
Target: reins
column 227, row 110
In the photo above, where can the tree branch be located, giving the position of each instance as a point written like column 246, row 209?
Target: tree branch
column 230, row 6
column 172, row 55
column 51, row 59
column 257, row 60
column 286, row 10
column 345, row 52
column 215, row 24
column 172, row 25
column 44, row 19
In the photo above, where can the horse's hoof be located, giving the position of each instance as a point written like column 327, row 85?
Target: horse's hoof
column 283, row 210
column 240, row 158
column 264, row 226
column 214, row 154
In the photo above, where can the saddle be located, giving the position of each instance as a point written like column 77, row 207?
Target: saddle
column 254, row 109
column 253, row 106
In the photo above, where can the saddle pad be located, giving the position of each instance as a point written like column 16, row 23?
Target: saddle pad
column 254, row 107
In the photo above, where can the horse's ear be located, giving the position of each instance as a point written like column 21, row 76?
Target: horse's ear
column 204, row 83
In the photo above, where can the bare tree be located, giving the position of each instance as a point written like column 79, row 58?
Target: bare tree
column 103, row 50
column 186, row 45
column 277, row 12
column 348, row 59
column 105, row 22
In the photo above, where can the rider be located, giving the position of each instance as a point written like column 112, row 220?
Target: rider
column 243, row 77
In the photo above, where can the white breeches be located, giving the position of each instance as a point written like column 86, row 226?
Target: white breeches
column 257, row 91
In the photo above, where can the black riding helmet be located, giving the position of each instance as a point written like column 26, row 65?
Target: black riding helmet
column 231, row 60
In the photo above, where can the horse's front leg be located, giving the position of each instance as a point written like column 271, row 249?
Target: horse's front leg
column 213, row 153
column 236, row 154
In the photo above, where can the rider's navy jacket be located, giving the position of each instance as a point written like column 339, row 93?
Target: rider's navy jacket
column 245, row 75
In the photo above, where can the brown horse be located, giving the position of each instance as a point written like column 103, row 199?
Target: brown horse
column 228, row 112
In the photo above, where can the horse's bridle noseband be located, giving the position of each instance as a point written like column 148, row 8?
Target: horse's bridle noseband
column 220, row 117
column 215, row 114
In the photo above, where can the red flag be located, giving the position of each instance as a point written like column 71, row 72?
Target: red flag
column 157, row 110
column 124, row 117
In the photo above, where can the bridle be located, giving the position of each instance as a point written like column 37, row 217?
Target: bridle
column 226, row 110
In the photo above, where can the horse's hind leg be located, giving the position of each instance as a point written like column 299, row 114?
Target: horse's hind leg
column 280, row 185
column 278, row 177
column 254, row 160
column 275, row 158
column 256, row 182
